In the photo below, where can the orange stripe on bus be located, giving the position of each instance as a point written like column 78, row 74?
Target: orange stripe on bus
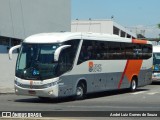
column 132, row 68
column 120, row 82
column 139, row 41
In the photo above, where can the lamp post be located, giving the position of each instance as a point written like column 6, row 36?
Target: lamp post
column 159, row 39
column 77, row 24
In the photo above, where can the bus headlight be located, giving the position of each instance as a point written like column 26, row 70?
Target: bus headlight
column 50, row 84
column 17, row 83
column 51, row 92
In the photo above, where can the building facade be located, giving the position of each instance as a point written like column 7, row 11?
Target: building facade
column 101, row 26
column 22, row 18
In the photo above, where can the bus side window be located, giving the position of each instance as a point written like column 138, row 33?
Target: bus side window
column 129, row 51
column 105, row 52
column 114, row 50
column 123, row 52
column 67, row 56
column 87, row 52
column 83, row 54
column 147, row 51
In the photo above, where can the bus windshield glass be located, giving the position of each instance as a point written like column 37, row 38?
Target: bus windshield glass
column 156, row 58
column 36, row 61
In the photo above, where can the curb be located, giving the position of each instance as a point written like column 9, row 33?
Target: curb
column 7, row 91
column 2, row 93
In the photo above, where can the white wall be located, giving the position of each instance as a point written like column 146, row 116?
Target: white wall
column 98, row 26
column 92, row 26
column 7, row 72
column 22, row 18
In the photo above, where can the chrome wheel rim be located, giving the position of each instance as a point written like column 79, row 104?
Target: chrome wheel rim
column 79, row 91
column 133, row 85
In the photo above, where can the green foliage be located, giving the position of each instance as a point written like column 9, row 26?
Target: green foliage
column 158, row 25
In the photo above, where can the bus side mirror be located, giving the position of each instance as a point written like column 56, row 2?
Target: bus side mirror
column 12, row 49
column 58, row 51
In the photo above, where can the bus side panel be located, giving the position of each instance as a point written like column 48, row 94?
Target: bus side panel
column 100, row 75
column 139, row 68
column 95, row 83
column 65, row 85
column 145, row 75
column 114, row 75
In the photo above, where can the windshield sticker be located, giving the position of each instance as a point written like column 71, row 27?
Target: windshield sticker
column 35, row 72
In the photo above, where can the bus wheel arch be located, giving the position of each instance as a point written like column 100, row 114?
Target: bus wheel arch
column 81, row 89
column 134, row 83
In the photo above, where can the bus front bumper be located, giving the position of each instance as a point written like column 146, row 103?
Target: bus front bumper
column 156, row 77
column 51, row 92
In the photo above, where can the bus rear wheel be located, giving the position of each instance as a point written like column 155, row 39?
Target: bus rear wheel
column 133, row 85
column 80, row 91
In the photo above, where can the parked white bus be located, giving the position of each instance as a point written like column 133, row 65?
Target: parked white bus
column 156, row 63
column 73, row 64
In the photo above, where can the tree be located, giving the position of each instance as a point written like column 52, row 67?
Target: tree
column 158, row 25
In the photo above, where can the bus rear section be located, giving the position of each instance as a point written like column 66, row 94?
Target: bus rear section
column 114, row 65
column 156, row 63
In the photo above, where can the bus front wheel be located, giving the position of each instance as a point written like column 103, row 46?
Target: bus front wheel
column 80, row 91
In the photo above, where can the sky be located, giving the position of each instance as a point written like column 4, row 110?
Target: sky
column 138, row 15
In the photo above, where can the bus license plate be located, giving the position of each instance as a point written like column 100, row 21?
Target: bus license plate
column 32, row 92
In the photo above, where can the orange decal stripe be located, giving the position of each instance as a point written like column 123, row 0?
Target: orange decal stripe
column 120, row 82
column 90, row 64
column 132, row 68
column 139, row 41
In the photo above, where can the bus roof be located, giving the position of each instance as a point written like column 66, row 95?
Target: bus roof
column 64, row 36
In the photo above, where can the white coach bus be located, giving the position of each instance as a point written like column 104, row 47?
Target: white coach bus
column 156, row 63
column 73, row 64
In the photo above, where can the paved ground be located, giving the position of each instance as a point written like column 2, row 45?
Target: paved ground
column 144, row 99
column 4, row 90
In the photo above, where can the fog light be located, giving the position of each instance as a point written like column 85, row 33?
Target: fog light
column 16, row 90
column 50, row 92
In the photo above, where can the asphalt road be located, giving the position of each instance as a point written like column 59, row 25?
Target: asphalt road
column 144, row 99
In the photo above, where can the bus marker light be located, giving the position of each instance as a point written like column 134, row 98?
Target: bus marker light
column 50, row 92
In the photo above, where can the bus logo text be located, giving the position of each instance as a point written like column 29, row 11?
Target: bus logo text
column 94, row 67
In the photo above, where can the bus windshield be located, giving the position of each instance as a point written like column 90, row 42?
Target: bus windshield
column 36, row 61
column 156, row 58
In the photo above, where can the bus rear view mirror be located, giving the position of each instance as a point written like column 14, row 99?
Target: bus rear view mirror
column 12, row 49
column 58, row 51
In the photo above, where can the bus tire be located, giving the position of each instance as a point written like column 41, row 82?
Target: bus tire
column 133, row 85
column 80, row 91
